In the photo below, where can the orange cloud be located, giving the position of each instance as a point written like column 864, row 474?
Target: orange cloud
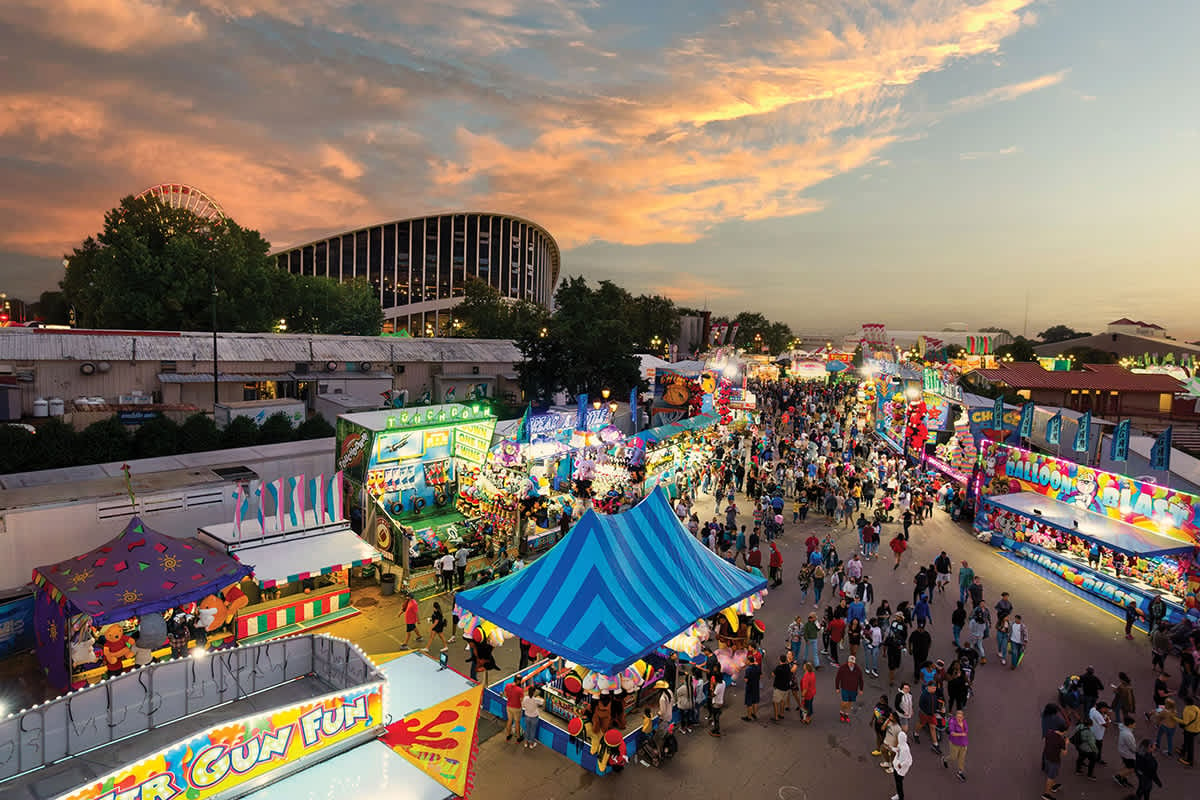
column 308, row 128
column 108, row 25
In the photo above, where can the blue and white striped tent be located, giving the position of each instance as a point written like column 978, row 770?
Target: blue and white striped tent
column 615, row 588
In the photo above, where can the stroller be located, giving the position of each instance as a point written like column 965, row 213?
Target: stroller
column 653, row 753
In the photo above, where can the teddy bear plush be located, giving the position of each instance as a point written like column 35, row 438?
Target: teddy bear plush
column 116, row 648
column 216, row 611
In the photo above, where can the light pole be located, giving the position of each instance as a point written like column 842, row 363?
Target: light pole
column 204, row 231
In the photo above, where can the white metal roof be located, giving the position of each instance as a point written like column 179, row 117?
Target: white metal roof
column 41, row 344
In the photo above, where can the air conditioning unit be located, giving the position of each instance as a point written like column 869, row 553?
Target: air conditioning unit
column 331, row 366
column 87, row 368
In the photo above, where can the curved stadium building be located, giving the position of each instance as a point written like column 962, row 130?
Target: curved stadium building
column 420, row 266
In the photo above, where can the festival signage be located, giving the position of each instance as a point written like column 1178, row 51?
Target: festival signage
column 1146, row 505
column 231, row 754
column 441, row 739
column 984, row 426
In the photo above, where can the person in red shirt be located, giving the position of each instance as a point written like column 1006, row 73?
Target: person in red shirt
column 411, row 612
column 810, row 544
column 808, row 690
column 849, row 682
column 514, row 693
column 754, row 558
column 776, row 565
column 837, row 630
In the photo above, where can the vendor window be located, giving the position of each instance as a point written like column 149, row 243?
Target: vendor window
column 1164, row 403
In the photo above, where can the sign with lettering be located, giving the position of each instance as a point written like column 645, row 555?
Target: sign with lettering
column 1147, row 505
column 222, row 757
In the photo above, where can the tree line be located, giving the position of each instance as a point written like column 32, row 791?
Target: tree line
column 57, row 445
column 154, row 267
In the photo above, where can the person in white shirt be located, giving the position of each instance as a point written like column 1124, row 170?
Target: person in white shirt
column 718, row 705
column 1099, row 719
column 445, row 566
column 901, row 764
column 531, row 706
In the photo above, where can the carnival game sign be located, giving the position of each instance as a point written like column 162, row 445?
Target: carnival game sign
column 440, row 740
column 226, row 756
column 1149, row 506
column 353, row 447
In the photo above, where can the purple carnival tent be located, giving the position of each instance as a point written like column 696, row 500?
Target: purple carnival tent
column 140, row 572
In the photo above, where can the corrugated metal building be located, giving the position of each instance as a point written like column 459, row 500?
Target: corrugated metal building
column 177, row 368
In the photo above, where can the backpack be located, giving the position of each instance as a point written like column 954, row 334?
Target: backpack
column 896, row 701
column 1077, row 736
column 979, row 615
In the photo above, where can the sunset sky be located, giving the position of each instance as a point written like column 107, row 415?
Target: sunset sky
column 914, row 162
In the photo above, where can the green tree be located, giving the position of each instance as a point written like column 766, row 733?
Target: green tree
column 199, row 434
column 1090, row 355
column 51, row 308
column 17, row 450
column 240, row 432
column 586, row 346
column 1060, row 333
column 651, row 316
column 323, row 305
column 776, row 336
column 106, row 440
column 1021, row 349
column 484, row 314
column 156, row 438
column 276, row 429
column 315, row 427
column 55, row 445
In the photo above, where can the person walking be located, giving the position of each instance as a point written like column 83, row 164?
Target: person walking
column 1018, row 639
column 1127, row 750
column 411, row 614
column 901, row 763
column 1146, row 769
column 775, row 565
column 753, row 679
column 1086, row 747
column 966, row 576
column 1054, row 747
column 808, row 691
column 849, row 682
column 1190, row 722
column 898, row 545
column 717, row 704
column 956, row 733
column 445, row 566
column 531, row 709
column 812, row 640
column 1124, row 703
column 437, row 627
column 461, row 556
column 781, row 681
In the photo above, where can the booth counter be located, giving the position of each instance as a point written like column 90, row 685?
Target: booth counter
column 301, row 577
column 1107, row 538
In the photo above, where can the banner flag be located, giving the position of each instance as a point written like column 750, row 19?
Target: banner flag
column 1026, row 421
column 998, row 414
column 1083, row 432
column 633, row 407
column 1054, row 429
column 275, row 487
column 1160, row 453
column 336, row 494
column 1119, row 450
column 262, row 514
column 316, row 490
column 523, row 426
column 296, row 486
column 440, row 740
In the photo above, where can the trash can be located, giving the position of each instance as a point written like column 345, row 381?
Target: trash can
column 387, row 583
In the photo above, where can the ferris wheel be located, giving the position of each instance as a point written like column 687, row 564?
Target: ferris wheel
column 189, row 198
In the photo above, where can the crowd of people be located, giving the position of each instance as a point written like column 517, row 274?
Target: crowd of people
column 812, row 450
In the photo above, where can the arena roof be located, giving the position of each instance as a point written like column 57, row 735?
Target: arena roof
column 555, row 253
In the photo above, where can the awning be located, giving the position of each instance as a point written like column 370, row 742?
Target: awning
column 222, row 377
column 614, row 588
column 1128, row 539
column 286, row 559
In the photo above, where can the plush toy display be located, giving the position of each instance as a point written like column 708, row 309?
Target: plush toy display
column 216, row 611
column 117, row 647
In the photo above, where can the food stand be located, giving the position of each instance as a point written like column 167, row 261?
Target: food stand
column 1105, row 537
column 120, row 591
column 301, row 577
column 606, row 597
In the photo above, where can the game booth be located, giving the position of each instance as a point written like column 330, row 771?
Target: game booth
column 402, row 470
column 302, row 560
column 308, row 717
column 1105, row 537
column 605, row 605
column 141, row 597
